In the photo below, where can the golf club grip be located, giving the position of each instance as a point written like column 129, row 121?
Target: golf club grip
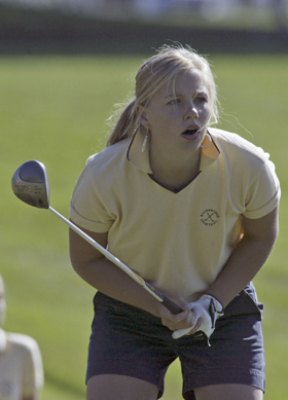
column 166, row 301
column 172, row 307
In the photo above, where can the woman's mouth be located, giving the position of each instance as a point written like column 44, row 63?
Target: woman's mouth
column 189, row 133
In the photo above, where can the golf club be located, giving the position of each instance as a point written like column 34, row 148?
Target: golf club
column 30, row 184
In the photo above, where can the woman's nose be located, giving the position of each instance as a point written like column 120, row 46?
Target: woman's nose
column 191, row 112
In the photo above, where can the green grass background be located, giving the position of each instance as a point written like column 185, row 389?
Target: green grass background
column 55, row 110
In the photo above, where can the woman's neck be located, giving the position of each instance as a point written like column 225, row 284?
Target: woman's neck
column 174, row 172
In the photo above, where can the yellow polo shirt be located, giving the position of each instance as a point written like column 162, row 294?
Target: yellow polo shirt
column 179, row 241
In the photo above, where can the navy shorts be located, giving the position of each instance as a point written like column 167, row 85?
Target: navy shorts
column 128, row 341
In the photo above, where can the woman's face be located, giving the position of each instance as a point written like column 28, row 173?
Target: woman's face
column 178, row 114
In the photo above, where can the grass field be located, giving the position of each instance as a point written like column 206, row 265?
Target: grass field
column 54, row 110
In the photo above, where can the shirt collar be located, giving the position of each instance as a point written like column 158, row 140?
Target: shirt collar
column 3, row 341
column 138, row 152
column 209, row 152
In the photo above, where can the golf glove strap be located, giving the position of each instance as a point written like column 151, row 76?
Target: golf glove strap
column 208, row 309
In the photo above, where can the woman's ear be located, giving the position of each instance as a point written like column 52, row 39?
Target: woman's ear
column 142, row 115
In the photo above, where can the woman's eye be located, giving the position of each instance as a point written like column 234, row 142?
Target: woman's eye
column 202, row 99
column 174, row 102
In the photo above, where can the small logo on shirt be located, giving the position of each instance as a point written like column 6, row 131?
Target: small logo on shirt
column 209, row 217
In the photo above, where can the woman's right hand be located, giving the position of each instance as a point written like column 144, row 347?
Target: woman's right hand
column 182, row 320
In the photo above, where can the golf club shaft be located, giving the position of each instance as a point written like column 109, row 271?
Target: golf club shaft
column 173, row 307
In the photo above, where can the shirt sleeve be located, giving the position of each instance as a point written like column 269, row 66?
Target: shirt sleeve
column 33, row 377
column 264, row 193
column 87, row 207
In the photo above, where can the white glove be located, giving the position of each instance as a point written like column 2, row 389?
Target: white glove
column 206, row 310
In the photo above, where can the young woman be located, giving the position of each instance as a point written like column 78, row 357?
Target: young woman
column 193, row 210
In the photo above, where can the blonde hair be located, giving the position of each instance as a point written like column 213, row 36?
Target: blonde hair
column 155, row 72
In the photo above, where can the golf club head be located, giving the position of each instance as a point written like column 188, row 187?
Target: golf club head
column 30, row 184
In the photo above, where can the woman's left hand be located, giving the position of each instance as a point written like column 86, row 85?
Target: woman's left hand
column 202, row 315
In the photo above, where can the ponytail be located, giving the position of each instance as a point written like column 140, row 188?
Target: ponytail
column 126, row 124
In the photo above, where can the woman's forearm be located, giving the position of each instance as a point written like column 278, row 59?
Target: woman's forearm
column 108, row 279
column 247, row 258
column 242, row 266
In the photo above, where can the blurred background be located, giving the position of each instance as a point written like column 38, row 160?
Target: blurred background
column 130, row 25
column 64, row 64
